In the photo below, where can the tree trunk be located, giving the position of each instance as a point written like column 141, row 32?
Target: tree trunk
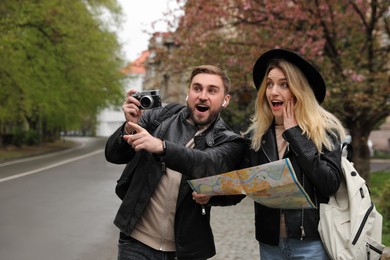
column 361, row 154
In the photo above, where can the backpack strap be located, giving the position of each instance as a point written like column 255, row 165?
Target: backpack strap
column 344, row 150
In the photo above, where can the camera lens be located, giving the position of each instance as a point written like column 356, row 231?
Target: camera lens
column 146, row 102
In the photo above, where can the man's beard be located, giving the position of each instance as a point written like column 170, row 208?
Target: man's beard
column 211, row 118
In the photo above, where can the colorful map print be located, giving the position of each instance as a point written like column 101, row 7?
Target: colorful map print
column 273, row 184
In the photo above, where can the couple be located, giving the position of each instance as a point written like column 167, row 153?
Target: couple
column 160, row 218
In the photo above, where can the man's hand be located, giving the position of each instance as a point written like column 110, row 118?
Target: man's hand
column 131, row 109
column 201, row 199
column 142, row 140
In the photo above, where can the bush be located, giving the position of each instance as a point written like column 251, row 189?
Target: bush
column 18, row 138
column 384, row 201
column 31, row 137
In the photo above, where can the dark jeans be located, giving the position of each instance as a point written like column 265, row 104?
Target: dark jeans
column 131, row 249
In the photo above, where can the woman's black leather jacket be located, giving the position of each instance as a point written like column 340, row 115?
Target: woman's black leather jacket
column 319, row 174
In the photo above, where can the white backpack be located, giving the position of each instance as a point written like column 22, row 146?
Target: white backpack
column 350, row 227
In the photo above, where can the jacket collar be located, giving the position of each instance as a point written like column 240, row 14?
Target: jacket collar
column 210, row 133
column 268, row 144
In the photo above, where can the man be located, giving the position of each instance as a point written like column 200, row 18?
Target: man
column 158, row 218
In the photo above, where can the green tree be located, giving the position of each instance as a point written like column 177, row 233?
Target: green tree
column 348, row 40
column 59, row 64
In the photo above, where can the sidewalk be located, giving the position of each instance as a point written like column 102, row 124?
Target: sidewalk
column 234, row 232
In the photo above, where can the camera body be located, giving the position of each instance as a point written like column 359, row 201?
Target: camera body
column 148, row 99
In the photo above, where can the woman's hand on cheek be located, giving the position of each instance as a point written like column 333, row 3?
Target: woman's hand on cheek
column 289, row 115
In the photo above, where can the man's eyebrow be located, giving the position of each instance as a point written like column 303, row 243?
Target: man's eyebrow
column 196, row 84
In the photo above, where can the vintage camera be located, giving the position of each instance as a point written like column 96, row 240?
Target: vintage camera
column 148, row 99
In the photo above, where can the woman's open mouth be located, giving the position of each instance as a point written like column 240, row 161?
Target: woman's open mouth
column 277, row 104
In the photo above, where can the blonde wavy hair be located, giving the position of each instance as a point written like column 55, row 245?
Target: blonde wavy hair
column 317, row 124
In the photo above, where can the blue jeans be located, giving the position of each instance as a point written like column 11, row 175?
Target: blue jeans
column 294, row 249
column 131, row 249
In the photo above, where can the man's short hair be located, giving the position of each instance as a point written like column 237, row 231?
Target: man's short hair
column 210, row 69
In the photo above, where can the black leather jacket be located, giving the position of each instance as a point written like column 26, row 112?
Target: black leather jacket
column 319, row 174
column 217, row 150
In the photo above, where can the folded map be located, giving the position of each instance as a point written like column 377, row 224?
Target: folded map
column 273, row 184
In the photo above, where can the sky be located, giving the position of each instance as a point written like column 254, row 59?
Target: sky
column 139, row 15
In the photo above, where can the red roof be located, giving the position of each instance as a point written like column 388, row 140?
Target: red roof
column 137, row 66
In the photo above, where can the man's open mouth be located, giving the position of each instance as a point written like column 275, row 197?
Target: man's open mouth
column 202, row 108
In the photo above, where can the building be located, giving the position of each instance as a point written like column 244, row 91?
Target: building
column 159, row 76
column 112, row 117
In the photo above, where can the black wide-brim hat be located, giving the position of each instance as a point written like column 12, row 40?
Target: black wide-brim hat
column 313, row 76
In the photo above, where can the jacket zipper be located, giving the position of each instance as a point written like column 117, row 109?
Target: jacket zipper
column 303, row 214
column 373, row 248
column 359, row 232
column 266, row 155
column 368, row 251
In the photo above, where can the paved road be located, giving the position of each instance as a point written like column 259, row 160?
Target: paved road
column 380, row 165
column 88, row 146
column 61, row 206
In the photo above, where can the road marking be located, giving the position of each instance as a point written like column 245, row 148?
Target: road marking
column 42, row 156
column 15, row 176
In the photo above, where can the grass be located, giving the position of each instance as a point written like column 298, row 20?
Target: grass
column 380, row 181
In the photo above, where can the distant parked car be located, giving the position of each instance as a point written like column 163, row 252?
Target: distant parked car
column 348, row 139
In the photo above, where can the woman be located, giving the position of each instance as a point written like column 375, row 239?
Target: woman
column 290, row 123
